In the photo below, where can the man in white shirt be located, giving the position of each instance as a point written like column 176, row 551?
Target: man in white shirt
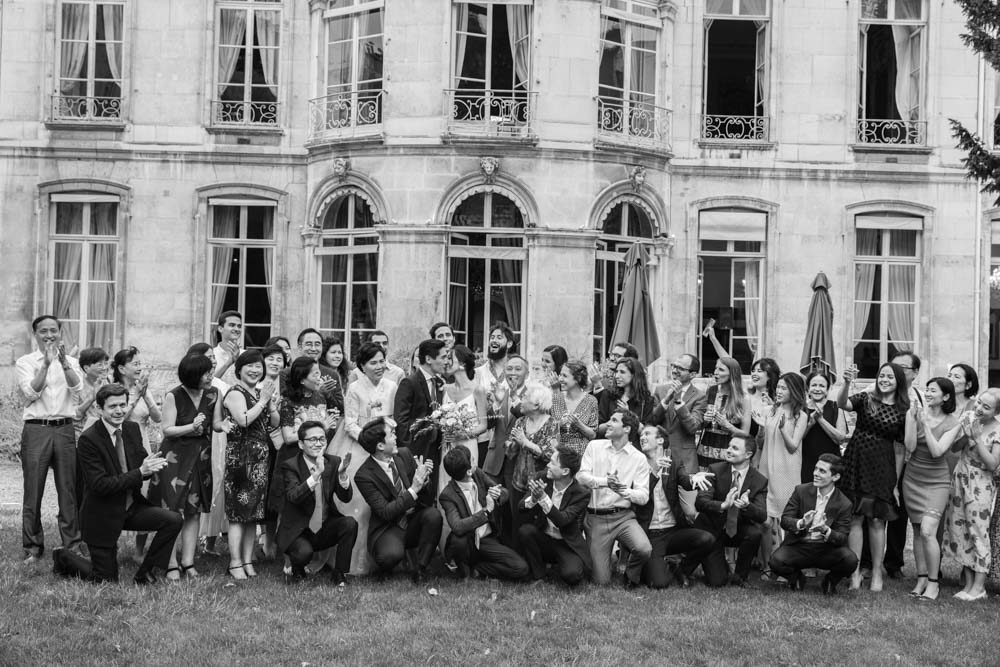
column 230, row 345
column 491, row 374
column 618, row 476
column 50, row 382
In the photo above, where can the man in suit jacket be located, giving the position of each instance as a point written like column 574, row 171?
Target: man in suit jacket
column 416, row 397
column 114, row 465
column 553, row 530
column 471, row 503
column 397, row 488
column 817, row 520
column 733, row 512
column 666, row 525
column 310, row 520
column 680, row 410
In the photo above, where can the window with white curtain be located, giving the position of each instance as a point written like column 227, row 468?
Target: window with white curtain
column 891, row 53
column 887, row 262
column 731, row 259
column 486, row 260
column 627, row 222
column 348, row 270
column 83, row 268
column 248, row 62
column 89, row 81
column 241, row 245
column 352, row 83
column 627, row 74
column 736, row 63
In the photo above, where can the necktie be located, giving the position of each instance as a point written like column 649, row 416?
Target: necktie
column 397, row 483
column 733, row 513
column 120, row 451
column 316, row 521
column 438, row 384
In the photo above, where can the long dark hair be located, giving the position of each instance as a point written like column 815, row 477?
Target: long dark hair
column 770, row 368
column 344, row 369
column 299, row 371
column 559, row 356
column 466, row 359
column 640, row 387
column 902, row 397
column 796, row 392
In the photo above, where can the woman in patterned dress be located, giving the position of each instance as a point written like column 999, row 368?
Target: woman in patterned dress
column 532, row 439
column 248, row 445
column 573, row 408
column 185, row 484
column 872, row 462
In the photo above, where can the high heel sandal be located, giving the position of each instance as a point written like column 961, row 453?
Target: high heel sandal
column 189, row 571
column 918, row 590
column 176, row 577
column 925, row 596
column 248, row 568
column 237, row 568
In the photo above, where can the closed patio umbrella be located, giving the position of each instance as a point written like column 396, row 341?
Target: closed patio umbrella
column 817, row 349
column 634, row 322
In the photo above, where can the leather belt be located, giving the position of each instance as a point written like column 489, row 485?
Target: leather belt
column 607, row 510
column 60, row 421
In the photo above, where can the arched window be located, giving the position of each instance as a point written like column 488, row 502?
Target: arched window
column 486, row 267
column 348, row 270
column 625, row 224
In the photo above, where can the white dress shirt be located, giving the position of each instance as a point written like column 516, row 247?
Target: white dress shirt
column 663, row 516
column 600, row 459
column 471, row 493
column 56, row 399
column 387, row 469
column 819, row 518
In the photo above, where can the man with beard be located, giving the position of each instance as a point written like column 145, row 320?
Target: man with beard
column 501, row 343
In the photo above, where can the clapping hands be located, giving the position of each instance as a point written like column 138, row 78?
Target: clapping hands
column 344, row 463
column 152, row 463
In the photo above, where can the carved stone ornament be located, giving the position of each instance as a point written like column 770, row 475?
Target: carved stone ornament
column 638, row 178
column 490, row 167
column 341, row 167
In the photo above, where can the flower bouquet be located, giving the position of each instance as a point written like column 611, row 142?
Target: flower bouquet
column 455, row 421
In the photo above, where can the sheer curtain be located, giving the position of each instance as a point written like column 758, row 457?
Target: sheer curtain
column 864, row 280
column 462, row 25
column 268, row 24
column 66, row 288
column 907, row 43
column 519, row 30
column 232, row 37
column 752, row 277
column 75, row 25
column 510, row 276
column 226, row 224
column 113, row 34
column 902, row 296
column 101, row 301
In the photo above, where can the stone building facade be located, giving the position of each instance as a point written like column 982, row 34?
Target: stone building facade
column 352, row 164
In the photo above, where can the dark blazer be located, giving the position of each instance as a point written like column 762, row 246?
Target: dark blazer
column 675, row 476
column 461, row 520
column 607, row 405
column 683, row 424
column 102, row 513
column 710, row 501
column 300, row 500
column 413, row 401
column 838, row 515
column 568, row 518
column 386, row 505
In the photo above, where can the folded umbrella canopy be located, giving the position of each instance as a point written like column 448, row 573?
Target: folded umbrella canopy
column 635, row 323
column 817, row 350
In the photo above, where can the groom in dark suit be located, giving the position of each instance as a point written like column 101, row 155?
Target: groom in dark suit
column 114, row 465
column 416, row 397
column 817, row 520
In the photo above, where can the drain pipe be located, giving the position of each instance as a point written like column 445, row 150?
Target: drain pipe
column 980, row 279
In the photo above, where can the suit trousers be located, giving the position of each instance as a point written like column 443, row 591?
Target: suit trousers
column 491, row 558
column 540, row 548
column 423, row 532
column 44, row 447
column 143, row 519
column 791, row 558
column 341, row 531
column 747, row 542
column 602, row 532
column 694, row 543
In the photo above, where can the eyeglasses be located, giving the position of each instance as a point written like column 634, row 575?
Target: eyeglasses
column 315, row 441
column 680, row 368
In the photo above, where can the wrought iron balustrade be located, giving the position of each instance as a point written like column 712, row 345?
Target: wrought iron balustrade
column 346, row 114
column 227, row 113
column 892, row 132
column 86, row 108
column 633, row 123
column 491, row 113
column 735, row 128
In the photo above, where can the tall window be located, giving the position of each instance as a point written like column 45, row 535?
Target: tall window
column 241, row 251
column 83, row 268
column 248, row 39
column 891, row 60
column 348, row 269
column 731, row 281
column 625, row 224
column 886, row 278
column 994, row 356
column 90, row 60
column 352, row 85
column 626, row 102
column 492, row 66
column 486, row 267
column 736, row 63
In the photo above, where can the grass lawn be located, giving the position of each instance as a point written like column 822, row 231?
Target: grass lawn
column 44, row 620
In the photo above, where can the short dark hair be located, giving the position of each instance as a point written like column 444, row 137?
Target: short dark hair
column 38, row 320
column 274, row 349
column 429, row 348
column 372, row 434
column 558, row 354
column 437, row 325
column 366, row 353
column 376, row 332
column 299, row 371
column 695, row 365
column 192, row 368
column 914, row 359
column 122, row 358
column 630, row 420
column 503, row 328
column 836, row 463
column 457, row 462
column 579, row 371
column 199, row 348
column 226, row 314
column 630, row 349
column 947, row 387
column 569, row 458
column 92, row 355
column 749, row 444
column 971, row 379
column 661, row 432
column 305, row 332
column 109, row 390
column 306, row 425
column 246, row 358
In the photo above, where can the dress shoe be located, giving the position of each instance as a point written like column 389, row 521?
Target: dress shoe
column 630, row 584
column 894, row 573
column 738, row 580
column 337, row 577
column 797, row 581
column 58, row 567
column 419, row 576
column 829, row 584
column 146, row 578
column 30, row 559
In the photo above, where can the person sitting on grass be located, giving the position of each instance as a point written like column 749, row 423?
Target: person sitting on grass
column 552, row 531
column 471, row 503
column 817, row 521
column 310, row 520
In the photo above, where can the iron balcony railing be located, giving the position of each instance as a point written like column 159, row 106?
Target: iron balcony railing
column 491, row 113
column 735, row 128
column 227, row 113
column 87, row 108
column 892, row 132
column 345, row 114
column 633, row 123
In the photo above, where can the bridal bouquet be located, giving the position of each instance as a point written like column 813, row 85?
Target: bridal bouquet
column 455, row 421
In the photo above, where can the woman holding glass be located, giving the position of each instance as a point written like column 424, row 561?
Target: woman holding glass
column 728, row 413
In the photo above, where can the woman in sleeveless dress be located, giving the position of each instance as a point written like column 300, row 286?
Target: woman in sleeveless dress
column 927, row 479
column 727, row 416
column 185, row 484
column 574, row 409
column 826, row 428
